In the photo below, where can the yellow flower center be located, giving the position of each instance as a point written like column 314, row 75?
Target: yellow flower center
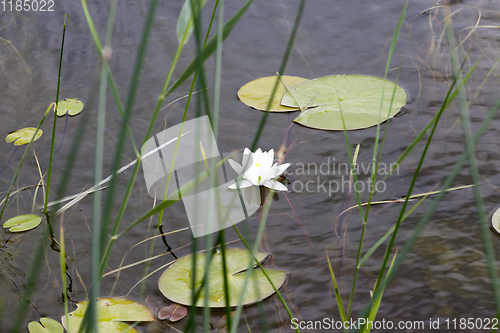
column 257, row 164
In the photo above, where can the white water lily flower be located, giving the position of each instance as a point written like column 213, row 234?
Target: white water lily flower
column 258, row 169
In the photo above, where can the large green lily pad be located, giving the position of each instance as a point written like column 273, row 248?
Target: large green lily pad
column 48, row 325
column 176, row 281
column 23, row 136
column 357, row 96
column 72, row 106
column 22, row 223
column 111, row 312
column 256, row 93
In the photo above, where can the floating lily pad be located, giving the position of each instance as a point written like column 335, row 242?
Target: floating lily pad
column 173, row 312
column 22, row 223
column 176, row 281
column 495, row 221
column 359, row 96
column 72, row 106
column 256, row 93
column 48, row 325
column 111, row 313
column 23, row 136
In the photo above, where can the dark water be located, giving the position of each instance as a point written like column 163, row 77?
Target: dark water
column 445, row 275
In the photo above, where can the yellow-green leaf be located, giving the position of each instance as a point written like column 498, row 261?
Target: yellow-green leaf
column 48, row 325
column 176, row 281
column 22, row 223
column 256, row 93
column 72, row 106
column 23, row 136
column 111, row 313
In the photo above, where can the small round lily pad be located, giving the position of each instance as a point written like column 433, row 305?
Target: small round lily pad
column 112, row 312
column 23, row 136
column 355, row 97
column 22, row 223
column 172, row 313
column 48, row 325
column 175, row 283
column 72, row 106
column 256, row 93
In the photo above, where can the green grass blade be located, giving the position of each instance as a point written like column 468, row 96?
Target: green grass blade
column 360, row 206
column 435, row 203
column 103, row 58
column 281, row 71
column 466, row 125
column 22, row 161
column 410, row 189
column 451, row 94
column 377, row 136
column 374, row 161
column 390, row 231
column 267, row 204
column 184, row 28
column 62, row 265
column 30, row 281
column 40, row 249
column 49, row 172
column 340, row 304
column 377, row 301
column 208, row 49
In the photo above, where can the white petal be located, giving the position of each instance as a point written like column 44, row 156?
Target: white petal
column 278, row 170
column 246, row 154
column 236, row 166
column 242, row 184
column 253, row 174
column 269, row 158
column 271, row 183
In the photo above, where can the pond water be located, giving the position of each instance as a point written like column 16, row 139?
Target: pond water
column 444, row 276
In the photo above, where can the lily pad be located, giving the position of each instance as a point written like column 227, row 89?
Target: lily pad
column 176, row 281
column 22, row 223
column 256, row 93
column 23, row 136
column 111, row 312
column 358, row 96
column 173, row 312
column 72, row 106
column 495, row 221
column 48, row 325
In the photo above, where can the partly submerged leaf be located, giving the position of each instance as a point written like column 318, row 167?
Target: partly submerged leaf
column 48, row 325
column 176, row 281
column 495, row 221
column 256, row 93
column 357, row 96
column 72, row 106
column 23, row 136
column 111, row 312
column 185, row 23
column 173, row 312
column 22, row 223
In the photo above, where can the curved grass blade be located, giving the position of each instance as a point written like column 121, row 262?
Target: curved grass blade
column 184, row 28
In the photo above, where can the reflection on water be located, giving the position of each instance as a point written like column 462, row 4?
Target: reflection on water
column 446, row 273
